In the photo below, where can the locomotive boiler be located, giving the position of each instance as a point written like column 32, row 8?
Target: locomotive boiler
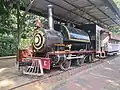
column 44, row 40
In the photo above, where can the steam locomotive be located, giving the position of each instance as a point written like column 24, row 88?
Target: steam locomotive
column 66, row 41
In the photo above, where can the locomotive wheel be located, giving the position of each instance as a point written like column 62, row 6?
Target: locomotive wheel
column 65, row 65
column 81, row 61
column 91, row 58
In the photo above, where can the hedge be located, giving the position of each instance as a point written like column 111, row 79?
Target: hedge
column 8, row 45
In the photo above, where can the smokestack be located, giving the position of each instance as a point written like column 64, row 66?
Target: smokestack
column 50, row 18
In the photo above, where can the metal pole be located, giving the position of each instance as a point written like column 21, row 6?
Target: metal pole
column 18, row 28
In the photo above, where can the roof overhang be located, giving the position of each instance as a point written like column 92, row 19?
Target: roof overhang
column 102, row 12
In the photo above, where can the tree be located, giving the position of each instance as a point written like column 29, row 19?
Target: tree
column 116, row 29
column 117, row 2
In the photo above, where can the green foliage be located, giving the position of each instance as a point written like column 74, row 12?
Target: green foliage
column 5, row 6
column 115, row 30
column 9, row 29
column 8, row 45
column 117, row 2
column 8, row 23
column 8, row 33
column 26, row 43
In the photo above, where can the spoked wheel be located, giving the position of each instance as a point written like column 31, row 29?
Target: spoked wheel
column 65, row 65
column 91, row 58
column 80, row 61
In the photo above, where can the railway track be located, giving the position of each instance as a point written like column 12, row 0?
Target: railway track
column 57, row 74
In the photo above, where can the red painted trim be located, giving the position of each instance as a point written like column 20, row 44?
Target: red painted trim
column 71, row 52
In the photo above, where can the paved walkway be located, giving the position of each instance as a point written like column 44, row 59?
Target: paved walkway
column 105, row 76
column 102, row 77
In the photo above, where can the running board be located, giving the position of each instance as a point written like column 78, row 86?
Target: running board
column 77, row 57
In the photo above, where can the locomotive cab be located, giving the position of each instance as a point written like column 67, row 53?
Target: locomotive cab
column 76, row 37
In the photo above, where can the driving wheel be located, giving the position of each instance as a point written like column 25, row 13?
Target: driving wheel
column 65, row 65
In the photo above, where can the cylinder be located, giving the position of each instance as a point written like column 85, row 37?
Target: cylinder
column 50, row 17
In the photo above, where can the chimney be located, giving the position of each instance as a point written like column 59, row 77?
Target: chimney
column 50, row 17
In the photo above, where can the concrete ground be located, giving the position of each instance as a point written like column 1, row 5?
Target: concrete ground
column 102, row 77
column 105, row 76
column 9, row 75
column 6, row 63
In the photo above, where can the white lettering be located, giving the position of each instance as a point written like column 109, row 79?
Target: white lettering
column 45, row 63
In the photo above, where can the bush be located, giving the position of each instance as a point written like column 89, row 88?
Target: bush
column 8, row 45
column 26, row 43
